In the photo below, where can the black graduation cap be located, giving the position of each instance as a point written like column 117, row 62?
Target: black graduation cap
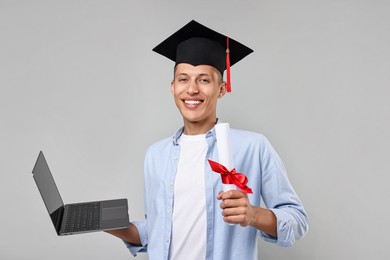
column 197, row 44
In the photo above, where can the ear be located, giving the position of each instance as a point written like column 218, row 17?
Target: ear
column 222, row 89
column 172, row 88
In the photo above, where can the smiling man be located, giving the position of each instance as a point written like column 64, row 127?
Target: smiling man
column 187, row 215
column 196, row 90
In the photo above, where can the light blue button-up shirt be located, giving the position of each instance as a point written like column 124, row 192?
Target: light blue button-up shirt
column 253, row 156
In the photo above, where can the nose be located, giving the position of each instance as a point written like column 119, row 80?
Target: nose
column 192, row 88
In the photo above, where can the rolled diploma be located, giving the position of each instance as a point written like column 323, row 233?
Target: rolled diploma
column 224, row 146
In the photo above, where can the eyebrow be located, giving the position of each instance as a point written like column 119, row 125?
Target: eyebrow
column 181, row 74
column 198, row 75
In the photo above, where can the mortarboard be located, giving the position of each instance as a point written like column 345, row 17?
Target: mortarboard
column 197, row 44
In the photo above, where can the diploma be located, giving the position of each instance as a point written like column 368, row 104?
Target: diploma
column 225, row 154
column 231, row 180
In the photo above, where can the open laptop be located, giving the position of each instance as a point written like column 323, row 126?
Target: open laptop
column 77, row 218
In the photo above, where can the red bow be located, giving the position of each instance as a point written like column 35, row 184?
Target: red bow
column 231, row 177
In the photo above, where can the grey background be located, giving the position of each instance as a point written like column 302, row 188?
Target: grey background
column 80, row 82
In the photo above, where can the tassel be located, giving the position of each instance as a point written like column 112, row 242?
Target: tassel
column 228, row 82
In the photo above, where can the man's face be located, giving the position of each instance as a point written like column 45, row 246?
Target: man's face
column 196, row 90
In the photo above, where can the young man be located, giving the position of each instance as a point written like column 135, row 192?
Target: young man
column 187, row 215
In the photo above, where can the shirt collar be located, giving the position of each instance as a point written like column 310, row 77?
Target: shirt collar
column 179, row 132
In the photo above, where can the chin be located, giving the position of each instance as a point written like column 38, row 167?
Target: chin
column 191, row 120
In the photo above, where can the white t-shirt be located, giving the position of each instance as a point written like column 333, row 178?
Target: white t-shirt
column 189, row 209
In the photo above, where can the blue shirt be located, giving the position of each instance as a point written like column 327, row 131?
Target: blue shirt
column 253, row 156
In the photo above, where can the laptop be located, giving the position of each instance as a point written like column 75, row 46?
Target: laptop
column 77, row 218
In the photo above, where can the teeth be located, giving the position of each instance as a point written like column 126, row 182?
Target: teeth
column 192, row 102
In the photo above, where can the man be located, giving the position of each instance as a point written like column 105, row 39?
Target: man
column 187, row 215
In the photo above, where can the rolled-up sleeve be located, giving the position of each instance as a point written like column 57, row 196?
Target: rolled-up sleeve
column 291, row 226
column 143, row 233
column 280, row 197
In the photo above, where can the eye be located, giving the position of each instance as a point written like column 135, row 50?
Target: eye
column 204, row 80
column 182, row 79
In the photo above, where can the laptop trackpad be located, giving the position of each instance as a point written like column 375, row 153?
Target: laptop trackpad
column 113, row 213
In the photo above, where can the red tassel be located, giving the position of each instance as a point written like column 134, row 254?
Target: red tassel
column 228, row 83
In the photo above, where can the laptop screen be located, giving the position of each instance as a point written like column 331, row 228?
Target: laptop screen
column 46, row 185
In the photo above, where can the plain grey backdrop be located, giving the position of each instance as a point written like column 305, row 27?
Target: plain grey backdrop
column 79, row 81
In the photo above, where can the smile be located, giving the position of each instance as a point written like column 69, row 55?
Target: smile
column 192, row 102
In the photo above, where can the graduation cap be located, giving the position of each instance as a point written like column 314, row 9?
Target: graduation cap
column 197, row 44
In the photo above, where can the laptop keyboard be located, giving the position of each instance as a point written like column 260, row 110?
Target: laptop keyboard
column 82, row 217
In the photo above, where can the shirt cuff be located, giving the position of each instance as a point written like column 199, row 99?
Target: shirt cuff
column 134, row 249
column 285, row 229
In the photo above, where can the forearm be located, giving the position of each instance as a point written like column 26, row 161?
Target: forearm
column 264, row 220
column 129, row 234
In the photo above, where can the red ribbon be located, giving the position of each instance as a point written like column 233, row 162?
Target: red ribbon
column 231, row 177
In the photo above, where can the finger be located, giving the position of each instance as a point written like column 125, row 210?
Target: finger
column 233, row 194
column 234, row 211
column 236, row 219
column 234, row 203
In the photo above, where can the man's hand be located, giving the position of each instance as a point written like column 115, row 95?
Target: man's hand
column 129, row 234
column 236, row 208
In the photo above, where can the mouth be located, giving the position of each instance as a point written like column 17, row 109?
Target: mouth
column 192, row 102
